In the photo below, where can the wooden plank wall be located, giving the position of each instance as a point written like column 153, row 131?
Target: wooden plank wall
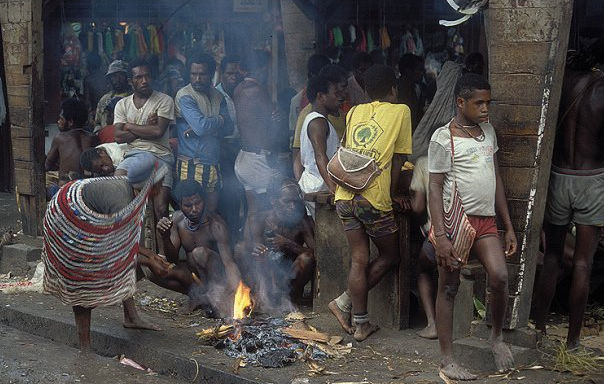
column 21, row 23
column 527, row 42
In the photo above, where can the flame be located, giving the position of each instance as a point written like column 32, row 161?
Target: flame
column 243, row 304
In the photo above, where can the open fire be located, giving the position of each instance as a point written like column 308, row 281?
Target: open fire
column 243, row 303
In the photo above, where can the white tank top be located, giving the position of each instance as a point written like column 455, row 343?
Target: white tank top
column 307, row 152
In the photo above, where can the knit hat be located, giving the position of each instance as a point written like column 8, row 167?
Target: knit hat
column 117, row 66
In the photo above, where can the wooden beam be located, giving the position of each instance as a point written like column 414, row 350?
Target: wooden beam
column 309, row 9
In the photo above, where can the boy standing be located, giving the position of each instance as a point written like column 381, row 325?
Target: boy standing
column 476, row 174
column 382, row 130
column 319, row 140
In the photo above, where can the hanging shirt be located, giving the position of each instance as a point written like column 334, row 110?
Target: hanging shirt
column 200, row 113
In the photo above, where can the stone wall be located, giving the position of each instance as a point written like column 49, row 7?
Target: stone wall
column 527, row 42
column 21, row 23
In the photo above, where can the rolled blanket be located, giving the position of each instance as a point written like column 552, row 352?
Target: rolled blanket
column 90, row 257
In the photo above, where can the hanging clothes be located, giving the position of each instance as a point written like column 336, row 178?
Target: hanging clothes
column 90, row 40
column 362, row 45
column 419, row 44
column 119, row 40
column 353, row 34
column 337, row 37
column 384, row 38
column 370, row 42
column 108, row 43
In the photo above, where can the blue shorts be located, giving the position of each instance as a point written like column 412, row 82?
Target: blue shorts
column 136, row 160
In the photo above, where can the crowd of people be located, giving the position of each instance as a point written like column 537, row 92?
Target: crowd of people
column 216, row 157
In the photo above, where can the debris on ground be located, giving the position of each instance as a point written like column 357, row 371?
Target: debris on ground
column 274, row 343
column 12, row 285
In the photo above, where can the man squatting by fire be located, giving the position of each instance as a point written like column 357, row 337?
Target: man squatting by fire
column 288, row 241
column 200, row 234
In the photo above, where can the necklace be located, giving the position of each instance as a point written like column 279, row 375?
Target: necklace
column 192, row 227
column 479, row 138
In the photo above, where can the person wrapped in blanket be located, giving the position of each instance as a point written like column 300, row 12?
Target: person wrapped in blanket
column 91, row 247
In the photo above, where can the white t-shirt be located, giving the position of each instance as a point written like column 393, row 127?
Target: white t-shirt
column 474, row 168
column 160, row 103
column 311, row 179
column 419, row 185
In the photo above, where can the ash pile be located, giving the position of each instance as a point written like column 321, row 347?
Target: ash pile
column 274, row 342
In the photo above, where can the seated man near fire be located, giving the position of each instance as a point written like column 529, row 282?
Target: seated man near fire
column 204, row 237
column 288, row 244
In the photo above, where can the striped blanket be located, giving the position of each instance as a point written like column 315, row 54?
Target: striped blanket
column 90, row 258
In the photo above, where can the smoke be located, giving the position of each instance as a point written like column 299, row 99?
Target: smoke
column 268, row 277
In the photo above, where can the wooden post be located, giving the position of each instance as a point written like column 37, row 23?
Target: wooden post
column 299, row 33
column 22, row 28
column 527, row 42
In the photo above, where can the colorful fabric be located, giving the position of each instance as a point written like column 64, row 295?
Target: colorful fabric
column 358, row 213
column 209, row 176
column 90, row 257
column 380, row 130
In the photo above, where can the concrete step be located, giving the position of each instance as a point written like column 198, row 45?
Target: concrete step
column 109, row 341
column 475, row 354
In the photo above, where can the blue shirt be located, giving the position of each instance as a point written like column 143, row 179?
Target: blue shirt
column 204, row 142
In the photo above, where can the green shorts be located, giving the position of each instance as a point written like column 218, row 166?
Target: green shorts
column 575, row 196
column 358, row 213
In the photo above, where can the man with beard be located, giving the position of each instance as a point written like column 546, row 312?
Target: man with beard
column 118, row 77
column 200, row 235
column 288, row 239
column 141, row 120
column 202, row 122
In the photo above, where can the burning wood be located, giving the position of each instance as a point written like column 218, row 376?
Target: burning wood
column 243, row 304
column 273, row 342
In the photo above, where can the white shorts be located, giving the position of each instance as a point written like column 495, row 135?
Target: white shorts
column 254, row 172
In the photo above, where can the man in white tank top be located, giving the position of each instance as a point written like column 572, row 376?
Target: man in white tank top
column 318, row 139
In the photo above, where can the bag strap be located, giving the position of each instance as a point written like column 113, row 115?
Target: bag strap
column 343, row 140
column 454, row 184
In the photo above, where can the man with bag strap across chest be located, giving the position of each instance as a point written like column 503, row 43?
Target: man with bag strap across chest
column 382, row 130
column 462, row 155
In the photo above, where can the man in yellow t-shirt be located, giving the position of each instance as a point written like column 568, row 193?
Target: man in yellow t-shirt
column 381, row 130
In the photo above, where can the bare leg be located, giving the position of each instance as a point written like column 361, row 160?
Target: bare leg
column 82, row 321
column 212, row 201
column 426, row 295
column 303, row 268
column 133, row 320
column 448, row 284
column 587, row 241
column 555, row 236
column 489, row 252
column 160, row 209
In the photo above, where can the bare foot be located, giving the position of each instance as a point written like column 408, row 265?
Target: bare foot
column 429, row 332
column 363, row 331
column 342, row 317
column 456, row 372
column 502, row 354
column 140, row 324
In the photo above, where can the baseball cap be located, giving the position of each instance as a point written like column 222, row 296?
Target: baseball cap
column 117, row 66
